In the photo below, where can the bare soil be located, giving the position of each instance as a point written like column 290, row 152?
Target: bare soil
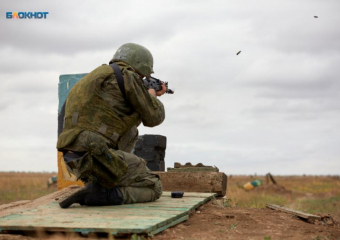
column 214, row 222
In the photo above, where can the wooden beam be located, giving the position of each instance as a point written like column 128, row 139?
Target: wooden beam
column 309, row 217
column 209, row 182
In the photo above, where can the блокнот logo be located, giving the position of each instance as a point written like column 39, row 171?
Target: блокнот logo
column 26, row 15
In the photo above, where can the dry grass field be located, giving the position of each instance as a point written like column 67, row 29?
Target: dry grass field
column 15, row 186
column 247, row 217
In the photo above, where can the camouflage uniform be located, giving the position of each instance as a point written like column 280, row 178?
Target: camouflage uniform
column 104, row 127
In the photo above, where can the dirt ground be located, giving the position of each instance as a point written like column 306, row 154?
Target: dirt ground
column 213, row 222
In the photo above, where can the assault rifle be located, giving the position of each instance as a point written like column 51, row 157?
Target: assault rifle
column 156, row 84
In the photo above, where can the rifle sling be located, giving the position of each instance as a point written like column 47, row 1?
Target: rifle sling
column 120, row 78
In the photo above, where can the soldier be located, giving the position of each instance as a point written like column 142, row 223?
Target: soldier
column 102, row 113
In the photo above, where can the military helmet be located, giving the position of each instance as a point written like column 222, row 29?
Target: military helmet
column 137, row 56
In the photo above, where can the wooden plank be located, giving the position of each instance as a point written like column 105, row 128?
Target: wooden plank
column 141, row 218
column 14, row 204
column 206, row 182
column 309, row 217
column 84, row 218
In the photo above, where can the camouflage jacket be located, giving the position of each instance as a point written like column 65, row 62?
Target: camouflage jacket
column 106, row 111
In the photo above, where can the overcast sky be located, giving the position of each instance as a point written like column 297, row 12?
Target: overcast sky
column 275, row 107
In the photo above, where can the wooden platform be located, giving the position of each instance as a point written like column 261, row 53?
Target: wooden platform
column 142, row 218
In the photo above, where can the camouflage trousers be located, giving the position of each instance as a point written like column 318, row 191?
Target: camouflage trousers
column 139, row 184
column 113, row 168
column 142, row 194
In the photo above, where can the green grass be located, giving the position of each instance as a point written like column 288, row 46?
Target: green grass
column 260, row 201
column 316, row 187
column 322, row 205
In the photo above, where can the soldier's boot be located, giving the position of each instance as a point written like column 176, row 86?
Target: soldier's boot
column 101, row 196
column 93, row 194
column 76, row 197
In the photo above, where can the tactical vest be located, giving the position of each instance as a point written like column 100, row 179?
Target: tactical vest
column 87, row 110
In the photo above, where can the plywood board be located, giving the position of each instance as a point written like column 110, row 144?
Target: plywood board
column 141, row 218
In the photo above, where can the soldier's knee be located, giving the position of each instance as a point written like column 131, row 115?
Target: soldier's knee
column 158, row 189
